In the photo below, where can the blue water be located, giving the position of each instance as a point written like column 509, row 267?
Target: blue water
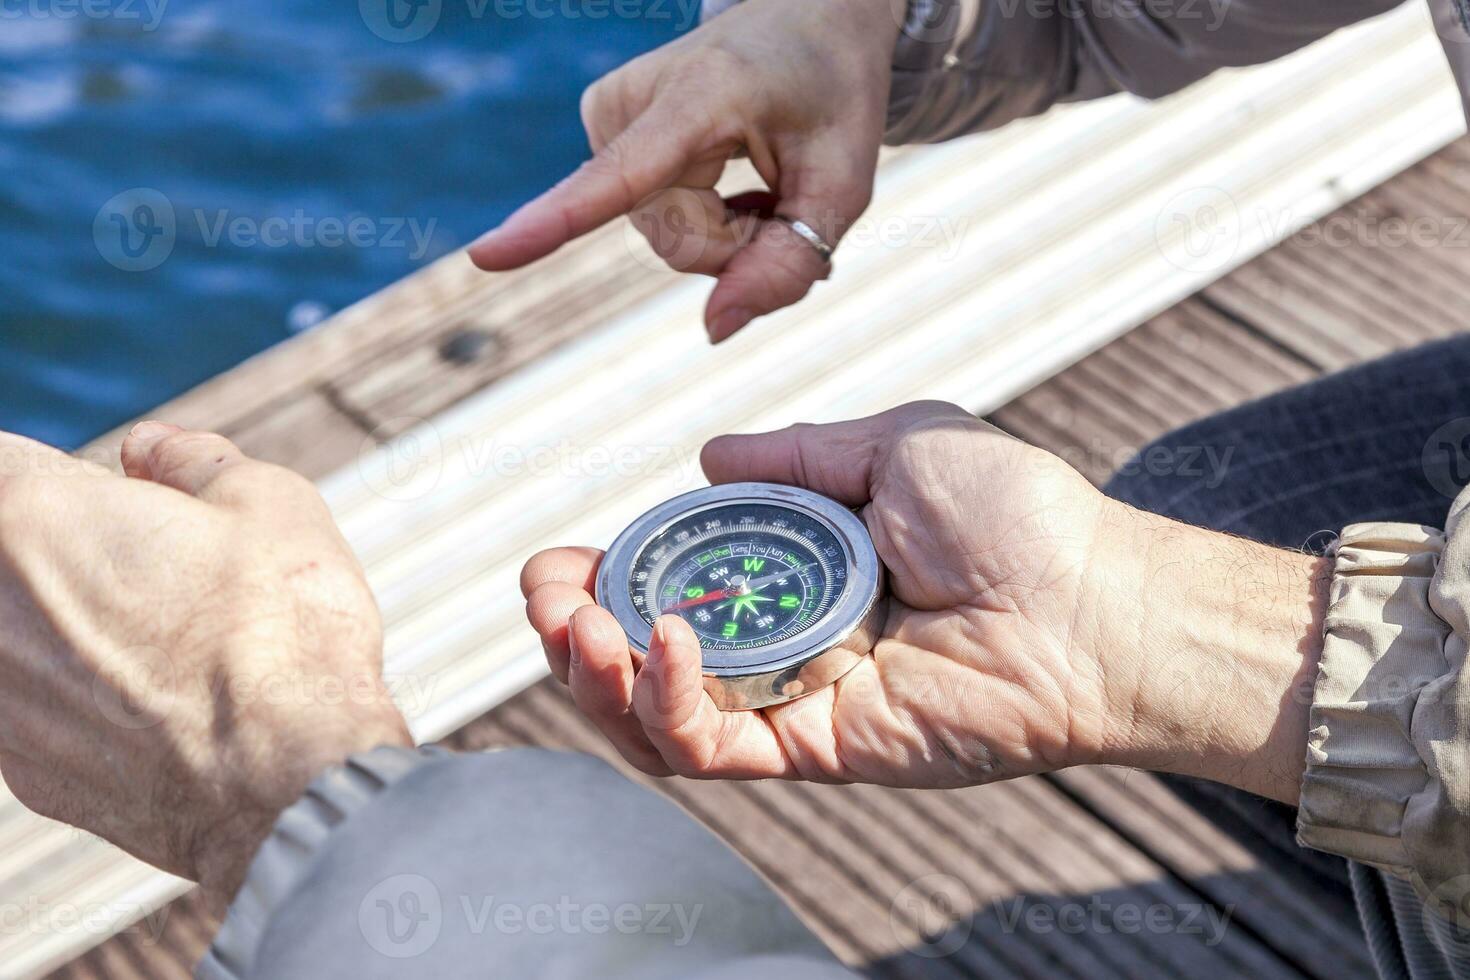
column 145, row 150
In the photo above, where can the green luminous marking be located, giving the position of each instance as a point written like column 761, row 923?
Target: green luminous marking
column 747, row 602
column 791, row 559
column 693, row 592
column 731, row 628
column 789, row 601
column 754, row 564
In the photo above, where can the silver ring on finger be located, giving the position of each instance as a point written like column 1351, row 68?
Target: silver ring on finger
column 809, row 235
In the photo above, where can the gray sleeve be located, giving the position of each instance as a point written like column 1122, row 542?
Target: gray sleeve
column 522, row 863
column 962, row 66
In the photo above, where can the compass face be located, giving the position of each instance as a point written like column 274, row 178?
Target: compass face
column 742, row 574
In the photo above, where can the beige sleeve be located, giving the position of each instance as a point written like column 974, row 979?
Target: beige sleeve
column 1388, row 750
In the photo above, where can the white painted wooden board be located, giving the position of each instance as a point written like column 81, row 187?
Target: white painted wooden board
column 983, row 267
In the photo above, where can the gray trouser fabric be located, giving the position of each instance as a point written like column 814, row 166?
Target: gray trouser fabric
column 527, row 863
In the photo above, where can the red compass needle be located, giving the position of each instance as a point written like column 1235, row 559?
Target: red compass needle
column 701, row 600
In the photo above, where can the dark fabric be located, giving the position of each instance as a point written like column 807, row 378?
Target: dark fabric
column 1388, row 441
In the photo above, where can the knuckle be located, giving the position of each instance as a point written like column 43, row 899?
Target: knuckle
column 176, row 451
column 587, row 104
column 722, row 60
column 591, row 106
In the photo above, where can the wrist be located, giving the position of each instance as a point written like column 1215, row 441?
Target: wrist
column 278, row 776
column 1209, row 653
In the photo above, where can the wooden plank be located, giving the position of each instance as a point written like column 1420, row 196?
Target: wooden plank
column 1383, row 272
column 1183, row 365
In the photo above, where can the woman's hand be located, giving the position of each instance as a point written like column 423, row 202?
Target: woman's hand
column 1033, row 624
column 800, row 88
column 181, row 650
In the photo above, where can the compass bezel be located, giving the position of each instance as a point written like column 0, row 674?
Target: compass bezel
column 764, row 673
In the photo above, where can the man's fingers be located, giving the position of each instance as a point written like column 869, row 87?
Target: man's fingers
column 645, row 158
column 601, row 681
column 185, row 460
column 577, row 566
column 693, row 736
column 837, row 459
column 210, row 467
column 549, row 609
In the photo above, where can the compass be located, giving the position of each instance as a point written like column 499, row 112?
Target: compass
column 781, row 585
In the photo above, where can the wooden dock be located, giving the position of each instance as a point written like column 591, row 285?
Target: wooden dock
column 931, row 884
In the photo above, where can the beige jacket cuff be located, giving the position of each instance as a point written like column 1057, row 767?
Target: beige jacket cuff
column 1388, row 750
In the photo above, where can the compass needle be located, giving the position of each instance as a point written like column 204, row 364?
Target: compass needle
column 709, row 557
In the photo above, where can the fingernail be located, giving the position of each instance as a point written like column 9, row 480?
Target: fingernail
column 152, row 430
column 728, row 322
column 656, row 646
column 576, row 657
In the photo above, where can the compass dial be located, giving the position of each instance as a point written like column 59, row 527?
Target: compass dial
column 782, row 586
column 742, row 575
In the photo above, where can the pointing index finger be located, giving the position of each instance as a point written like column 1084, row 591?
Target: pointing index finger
column 645, row 159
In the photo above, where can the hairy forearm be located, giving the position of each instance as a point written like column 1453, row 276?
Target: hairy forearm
column 1212, row 653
